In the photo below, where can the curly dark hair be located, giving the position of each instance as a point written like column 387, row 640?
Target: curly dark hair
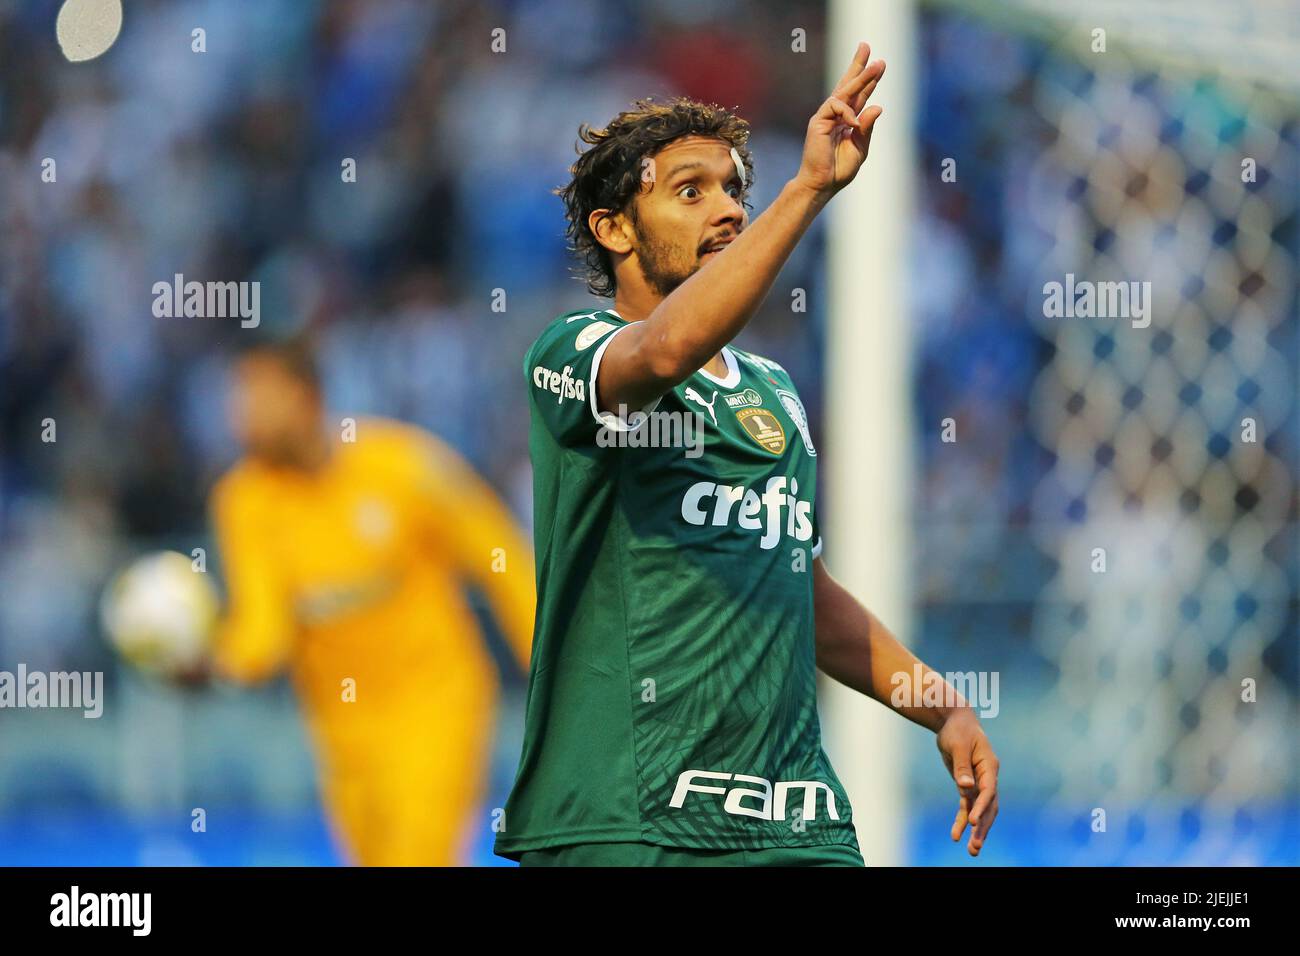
column 608, row 176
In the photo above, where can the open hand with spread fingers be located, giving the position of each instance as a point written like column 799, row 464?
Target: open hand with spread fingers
column 839, row 134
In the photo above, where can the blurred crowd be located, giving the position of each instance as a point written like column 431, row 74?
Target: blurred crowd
column 228, row 164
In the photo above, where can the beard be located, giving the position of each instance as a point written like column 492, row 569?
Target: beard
column 662, row 266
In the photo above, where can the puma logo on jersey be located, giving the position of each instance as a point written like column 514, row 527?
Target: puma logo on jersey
column 561, row 384
column 709, row 503
column 693, row 396
column 771, row 799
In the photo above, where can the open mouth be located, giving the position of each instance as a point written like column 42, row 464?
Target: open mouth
column 714, row 249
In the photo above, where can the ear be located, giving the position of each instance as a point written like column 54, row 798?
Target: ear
column 612, row 230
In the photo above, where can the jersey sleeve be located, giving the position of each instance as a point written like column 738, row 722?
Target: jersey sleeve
column 562, row 369
column 816, row 535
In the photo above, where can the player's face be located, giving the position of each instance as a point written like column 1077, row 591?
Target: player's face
column 273, row 413
column 694, row 202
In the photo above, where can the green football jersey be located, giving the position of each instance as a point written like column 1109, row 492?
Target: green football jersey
column 672, row 690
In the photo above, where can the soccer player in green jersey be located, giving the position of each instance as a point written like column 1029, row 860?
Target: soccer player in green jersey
column 683, row 606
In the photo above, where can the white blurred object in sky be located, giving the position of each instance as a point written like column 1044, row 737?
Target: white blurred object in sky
column 87, row 28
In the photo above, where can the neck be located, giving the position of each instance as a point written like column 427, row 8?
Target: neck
column 717, row 366
column 635, row 305
column 308, row 457
column 314, row 453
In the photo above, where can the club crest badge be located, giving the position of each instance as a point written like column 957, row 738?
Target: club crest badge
column 374, row 522
column 794, row 408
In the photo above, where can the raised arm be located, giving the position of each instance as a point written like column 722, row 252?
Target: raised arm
column 710, row 308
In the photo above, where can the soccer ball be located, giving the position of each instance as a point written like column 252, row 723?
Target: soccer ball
column 159, row 613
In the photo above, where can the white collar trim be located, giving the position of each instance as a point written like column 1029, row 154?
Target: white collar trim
column 733, row 371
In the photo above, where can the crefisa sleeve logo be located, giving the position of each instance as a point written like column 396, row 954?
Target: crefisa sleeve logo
column 794, row 408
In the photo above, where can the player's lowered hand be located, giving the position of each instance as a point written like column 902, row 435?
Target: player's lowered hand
column 839, row 134
column 970, row 759
column 194, row 676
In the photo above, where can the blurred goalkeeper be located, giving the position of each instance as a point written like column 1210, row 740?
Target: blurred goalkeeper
column 344, row 558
